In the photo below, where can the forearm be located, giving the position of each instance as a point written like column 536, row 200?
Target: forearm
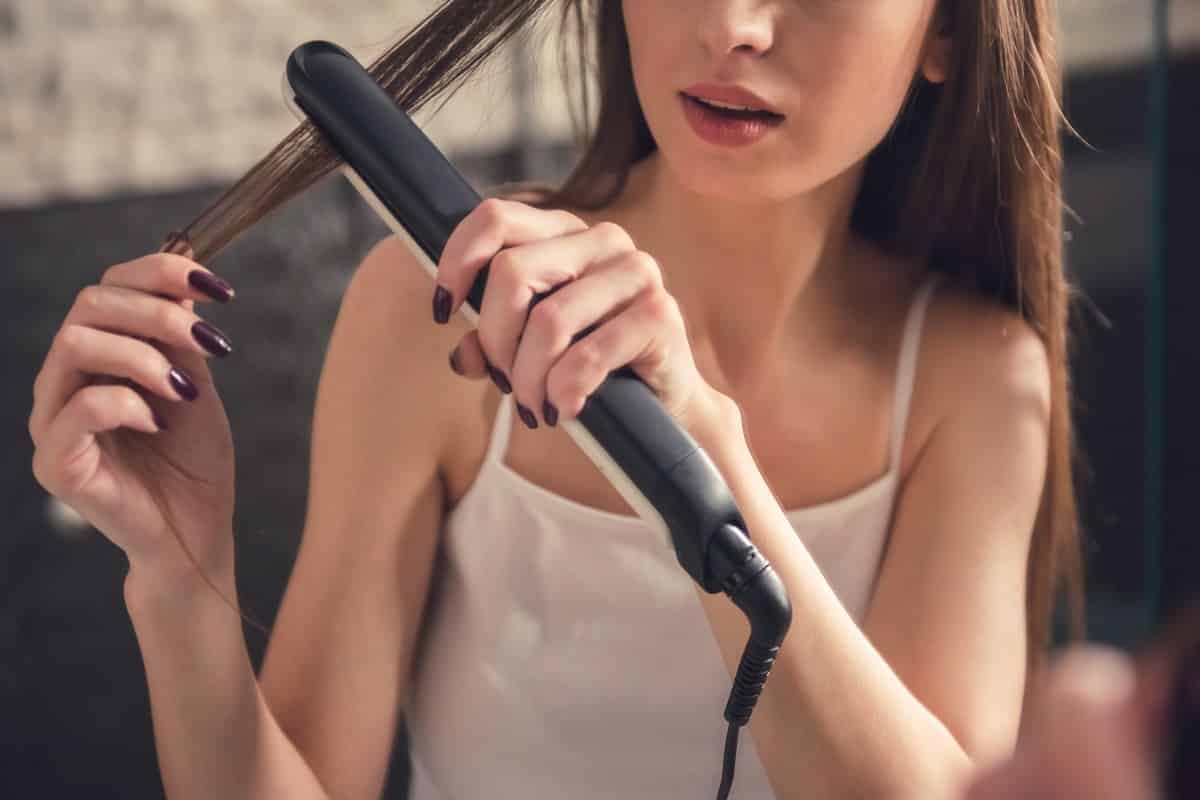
column 214, row 734
column 834, row 719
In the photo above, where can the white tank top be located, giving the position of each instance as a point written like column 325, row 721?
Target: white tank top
column 566, row 654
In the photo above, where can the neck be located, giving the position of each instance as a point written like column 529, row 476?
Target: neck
column 748, row 275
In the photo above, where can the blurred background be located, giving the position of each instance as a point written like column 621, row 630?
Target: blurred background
column 122, row 119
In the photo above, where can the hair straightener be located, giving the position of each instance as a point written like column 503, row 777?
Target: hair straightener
column 664, row 475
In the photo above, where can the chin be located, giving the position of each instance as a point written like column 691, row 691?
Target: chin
column 732, row 179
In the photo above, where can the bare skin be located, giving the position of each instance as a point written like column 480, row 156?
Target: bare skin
column 843, row 384
column 402, row 438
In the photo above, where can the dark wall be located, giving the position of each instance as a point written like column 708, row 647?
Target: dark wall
column 76, row 717
column 76, row 721
column 1181, row 551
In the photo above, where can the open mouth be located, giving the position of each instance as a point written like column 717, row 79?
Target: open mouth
column 734, row 113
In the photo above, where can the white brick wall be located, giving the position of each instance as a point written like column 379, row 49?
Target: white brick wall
column 99, row 96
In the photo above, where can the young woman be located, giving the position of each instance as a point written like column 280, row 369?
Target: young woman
column 851, row 295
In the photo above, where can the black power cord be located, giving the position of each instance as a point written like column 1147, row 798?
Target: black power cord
column 731, row 743
column 751, row 583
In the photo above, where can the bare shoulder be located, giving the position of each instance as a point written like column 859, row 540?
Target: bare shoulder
column 389, row 306
column 399, row 352
column 531, row 192
column 979, row 348
column 391, row 288
column 539, row 194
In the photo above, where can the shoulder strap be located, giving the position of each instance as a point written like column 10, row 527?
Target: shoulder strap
column 906, row 370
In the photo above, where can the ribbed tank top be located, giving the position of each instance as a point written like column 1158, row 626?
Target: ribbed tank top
column 566, row 654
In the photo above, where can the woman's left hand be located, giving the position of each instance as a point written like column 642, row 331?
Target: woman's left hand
column 565, row 305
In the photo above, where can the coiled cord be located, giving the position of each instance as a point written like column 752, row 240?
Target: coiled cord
column 757, row 660
column 756, row 663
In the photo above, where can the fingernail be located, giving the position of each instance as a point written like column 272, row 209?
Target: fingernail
column 211, row 285
column 441, row 305
column 159, row 420
column 177, row 243
column 537, row 298
column 527, row 416
column 182, row 384
column 500, row 379
column 454, row 362
column 550, row 413
column 211, row 339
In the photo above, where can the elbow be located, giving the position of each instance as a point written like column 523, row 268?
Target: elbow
column 922, row 775
column 945, row 772
column 943, row 787
column 942, row 778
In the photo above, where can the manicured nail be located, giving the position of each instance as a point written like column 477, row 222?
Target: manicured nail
column 550, row 413
column 177, row 242
column 159, row 420
column 537, row 298
column 211, row 285
column 211, row 339
column 500, row 379
column 441, row 305
column 454, row 362
column 527, row 416
column 183, row 384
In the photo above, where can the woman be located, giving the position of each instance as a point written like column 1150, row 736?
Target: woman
column 900, row 449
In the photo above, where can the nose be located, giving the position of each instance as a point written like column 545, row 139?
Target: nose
column 738, row 26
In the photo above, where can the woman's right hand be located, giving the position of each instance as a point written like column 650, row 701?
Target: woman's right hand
column 130, row 355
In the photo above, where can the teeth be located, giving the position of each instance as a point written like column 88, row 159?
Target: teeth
column 727, row 106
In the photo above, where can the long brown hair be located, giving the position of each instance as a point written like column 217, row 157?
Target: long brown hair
column 968, row 179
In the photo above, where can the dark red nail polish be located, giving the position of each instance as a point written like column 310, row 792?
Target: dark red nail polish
column 441, row 305
column 211, row 339
column 500, row 379
column 211, row 285
column 182, row 384
column 550, row 413
column 527, row 416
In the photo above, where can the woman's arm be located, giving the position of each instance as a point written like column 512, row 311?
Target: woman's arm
column 214, row 735
column 932, row 683
column 323, row 722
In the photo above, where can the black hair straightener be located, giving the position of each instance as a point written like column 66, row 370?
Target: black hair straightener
column 664, row 475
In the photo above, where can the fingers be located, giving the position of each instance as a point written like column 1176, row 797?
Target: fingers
column 138, row 326
column 519, row 344
column 563, row 376
column 80, row 352
column 68, row 456
column 630, row 337
column 100, row 336
column 495, row 224
column 170, row 275
column 467, row 359
column 518, row 275
column 554, row 361
column 551, row 281
column 135, row 313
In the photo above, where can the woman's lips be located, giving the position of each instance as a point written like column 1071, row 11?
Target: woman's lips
column 728, row 129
